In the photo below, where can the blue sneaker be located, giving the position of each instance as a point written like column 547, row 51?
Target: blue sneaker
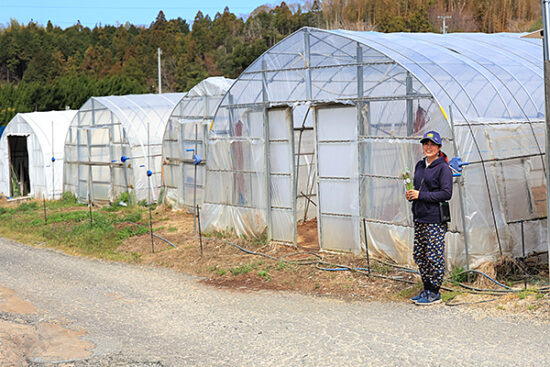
column 429, row 299
column 419, row 295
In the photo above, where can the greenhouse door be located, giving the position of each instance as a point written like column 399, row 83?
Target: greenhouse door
column 99, row 170
column 337, row 177
column 282, row 192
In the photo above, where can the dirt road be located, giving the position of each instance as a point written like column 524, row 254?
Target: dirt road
column 91, row 313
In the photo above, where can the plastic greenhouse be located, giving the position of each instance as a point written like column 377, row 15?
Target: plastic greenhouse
column 114, row 143
column 184, row 141
column 31, row 154
column 323, row 123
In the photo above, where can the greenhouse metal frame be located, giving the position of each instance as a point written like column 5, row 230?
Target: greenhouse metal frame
column 114, row 146
column 184, row 141
column 31, row 154
column 328, row 119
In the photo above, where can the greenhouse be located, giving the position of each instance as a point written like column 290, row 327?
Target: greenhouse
column 31, row 154
column 184, row 140
column 114, row 146
column 320, row 127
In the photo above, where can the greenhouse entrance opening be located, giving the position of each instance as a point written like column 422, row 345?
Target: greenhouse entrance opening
column 292, row 214
column 20, row 184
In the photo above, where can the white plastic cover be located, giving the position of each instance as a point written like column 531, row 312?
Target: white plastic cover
column 103, row 131
column 402, row 85
column 187, row 130
column 45, row 132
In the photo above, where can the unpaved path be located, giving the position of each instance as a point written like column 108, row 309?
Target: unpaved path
column 143, row 316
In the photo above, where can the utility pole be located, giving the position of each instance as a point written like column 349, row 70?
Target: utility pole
column 546, row 53
column 444, row 25
column 159, row 51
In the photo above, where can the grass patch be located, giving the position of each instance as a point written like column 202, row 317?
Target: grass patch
column 243, row 269
column 458, row 275
column 68, row 227
column 264, row 274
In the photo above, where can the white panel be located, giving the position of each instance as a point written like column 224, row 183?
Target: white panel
column 339, row 197
column 337, row 160
column 340, row 233
column 278, row 126
column 281, row 191
column 279, row 157
column 337, row 123
column 283, row 222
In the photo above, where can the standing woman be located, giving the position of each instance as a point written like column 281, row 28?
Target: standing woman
column 433, row 183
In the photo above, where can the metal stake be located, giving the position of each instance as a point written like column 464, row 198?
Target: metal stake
column 53, row 170
column 90, row 208
column 200, row 233
column 523, row 252
column 195, row 184
column 149, row 183
column 366, row 244
column 45, row 215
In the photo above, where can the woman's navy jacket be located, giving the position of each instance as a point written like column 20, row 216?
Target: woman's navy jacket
column 435, row 184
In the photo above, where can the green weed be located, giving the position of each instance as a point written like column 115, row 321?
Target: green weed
column 264, row 274
column 243, row 269
column 458, row 275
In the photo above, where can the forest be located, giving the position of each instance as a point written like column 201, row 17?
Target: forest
column 45, row 67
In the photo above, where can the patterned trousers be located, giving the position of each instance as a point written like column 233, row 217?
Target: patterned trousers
column 429, row 253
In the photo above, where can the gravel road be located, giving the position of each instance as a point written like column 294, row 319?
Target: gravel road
column 145, row 316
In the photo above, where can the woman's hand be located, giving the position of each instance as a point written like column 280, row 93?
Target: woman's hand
column 412, row 195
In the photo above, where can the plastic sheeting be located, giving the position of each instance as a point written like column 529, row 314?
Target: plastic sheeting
column 396, row 87
column 45, row 138
column 185, row 137
column 104, row 130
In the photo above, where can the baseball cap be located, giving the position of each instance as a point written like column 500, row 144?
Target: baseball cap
column 432, row 136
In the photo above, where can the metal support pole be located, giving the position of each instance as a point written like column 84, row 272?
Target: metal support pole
column 267, row 162
column 159, row 51
column 444, row 25
column 53, row 170
column 409, row 92
column 461, row 196
column 546, row 52
column 195, row 183
column 307, row 64
column 149, row 184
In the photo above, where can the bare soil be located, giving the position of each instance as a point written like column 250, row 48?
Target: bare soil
column 225, row 266
column 23, row 338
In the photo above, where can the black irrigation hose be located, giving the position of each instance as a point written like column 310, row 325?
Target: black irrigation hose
column 326, row 266
column 507, row 289
column 165, row 240
column 154, row 235
column 448, row 302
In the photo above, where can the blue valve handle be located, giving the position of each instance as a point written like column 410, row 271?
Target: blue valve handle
column 190, row 150
column 456, row 166
column 149, row 173
column 53, row 159
column 124, row 158
column 196, row 159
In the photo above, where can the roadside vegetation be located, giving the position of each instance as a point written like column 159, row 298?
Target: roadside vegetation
column 121, row 233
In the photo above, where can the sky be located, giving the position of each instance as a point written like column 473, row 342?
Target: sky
column 65, row 13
